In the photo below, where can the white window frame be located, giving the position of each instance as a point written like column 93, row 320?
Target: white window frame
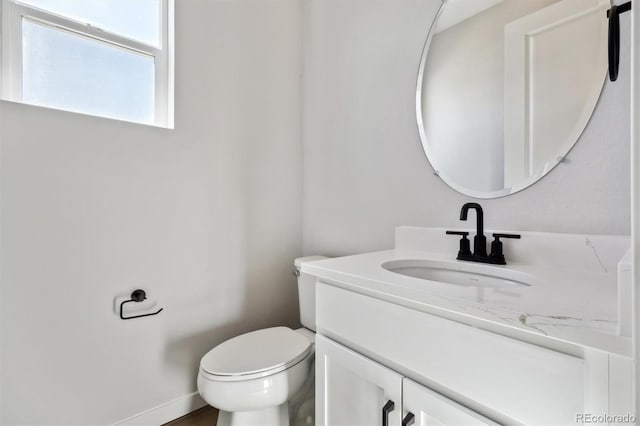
column 12, row 14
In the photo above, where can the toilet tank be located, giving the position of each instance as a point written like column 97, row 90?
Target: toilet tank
column 307, row 293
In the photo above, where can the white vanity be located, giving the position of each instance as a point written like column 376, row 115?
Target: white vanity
column 414, row 336
column 541, row 340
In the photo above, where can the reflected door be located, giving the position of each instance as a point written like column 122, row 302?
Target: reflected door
column 547, row 104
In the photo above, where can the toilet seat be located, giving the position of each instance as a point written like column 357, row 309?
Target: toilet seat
column 256, row 354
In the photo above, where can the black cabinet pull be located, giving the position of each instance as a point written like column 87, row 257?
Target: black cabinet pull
column 388, row 407
column 409, row 419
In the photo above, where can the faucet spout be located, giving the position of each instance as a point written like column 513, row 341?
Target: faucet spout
column 479, row 216
column 479, row 241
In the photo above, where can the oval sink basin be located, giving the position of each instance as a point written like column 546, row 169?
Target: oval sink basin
column 468, row 275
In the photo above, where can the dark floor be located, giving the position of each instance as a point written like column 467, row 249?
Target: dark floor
column 206, row 416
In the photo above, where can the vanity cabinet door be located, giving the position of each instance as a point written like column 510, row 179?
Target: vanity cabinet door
column 352, row 390
column 422, row 407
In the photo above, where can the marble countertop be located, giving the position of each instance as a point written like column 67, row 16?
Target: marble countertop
column 573, row 296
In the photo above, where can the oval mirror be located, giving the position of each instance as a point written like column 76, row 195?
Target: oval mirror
column 506, row 87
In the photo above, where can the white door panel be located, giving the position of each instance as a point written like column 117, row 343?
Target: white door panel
column 432, row 409
column 351, row 390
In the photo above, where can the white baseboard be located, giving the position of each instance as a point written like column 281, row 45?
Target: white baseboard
column 166, row 412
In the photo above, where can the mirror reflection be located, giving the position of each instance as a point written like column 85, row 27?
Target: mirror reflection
column 506, row 87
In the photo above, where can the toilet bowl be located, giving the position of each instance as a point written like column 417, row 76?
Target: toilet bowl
column 252, row 377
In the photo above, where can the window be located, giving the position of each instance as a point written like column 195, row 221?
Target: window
column 110, row 58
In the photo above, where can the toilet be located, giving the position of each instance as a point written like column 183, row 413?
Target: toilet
column 261, row 378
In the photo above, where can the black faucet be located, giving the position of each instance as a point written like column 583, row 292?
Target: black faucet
column 480, row 241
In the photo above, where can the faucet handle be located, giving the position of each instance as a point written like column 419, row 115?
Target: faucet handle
column 497, row 256
column 465, row 245
column 498, row 236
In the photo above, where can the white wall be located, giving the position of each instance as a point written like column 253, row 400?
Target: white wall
column 364, row 169
column 205, row 217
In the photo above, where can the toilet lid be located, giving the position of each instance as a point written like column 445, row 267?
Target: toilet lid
column 256, row 352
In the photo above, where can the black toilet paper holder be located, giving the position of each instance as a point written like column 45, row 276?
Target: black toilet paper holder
column 137, row 296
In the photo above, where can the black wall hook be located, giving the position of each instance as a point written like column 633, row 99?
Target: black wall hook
column 137, row 296
column 614, row 37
